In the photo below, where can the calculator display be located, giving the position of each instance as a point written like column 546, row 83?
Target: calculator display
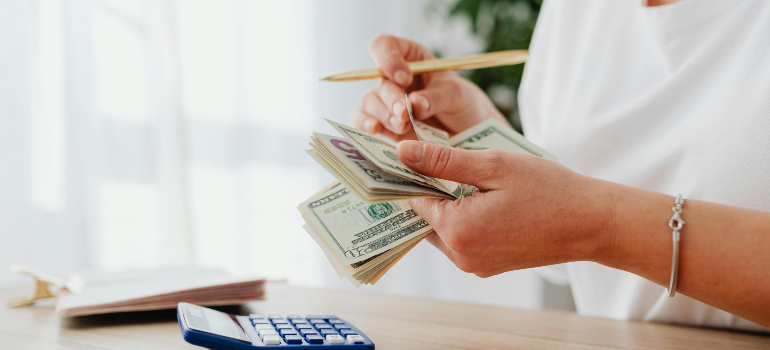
column 211, row 321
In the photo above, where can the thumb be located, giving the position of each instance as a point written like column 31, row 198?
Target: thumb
column 478, row 168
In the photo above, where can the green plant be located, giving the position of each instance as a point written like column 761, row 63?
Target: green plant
column 502, row 25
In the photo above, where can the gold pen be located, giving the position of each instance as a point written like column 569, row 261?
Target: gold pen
column 492, row 59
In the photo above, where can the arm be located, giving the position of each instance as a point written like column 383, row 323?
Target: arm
column 533, row 212
column 724, row 250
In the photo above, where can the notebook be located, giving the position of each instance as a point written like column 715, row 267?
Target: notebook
column 96, row 292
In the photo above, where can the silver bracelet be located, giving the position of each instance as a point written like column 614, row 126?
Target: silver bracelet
column 675, row 223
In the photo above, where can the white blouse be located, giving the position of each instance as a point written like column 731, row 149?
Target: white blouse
column 674, row 99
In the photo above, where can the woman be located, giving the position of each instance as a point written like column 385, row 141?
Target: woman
column 639, row 103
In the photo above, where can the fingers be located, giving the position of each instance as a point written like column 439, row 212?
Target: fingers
column 435, row 212
column 430, row 209
column 373, row 106
column 361, row 120
column 436, row 241
column 392, row 96
column 483, row 169
column 386, row 103
column 391, row 54
column 439, row 97
column 409, row 135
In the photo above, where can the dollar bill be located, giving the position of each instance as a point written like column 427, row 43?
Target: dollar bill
column 372, row 274
column 365, row 176
column 348, row 182
column 363, row 223
column 494, row 134
column 383, row 154
column 356, row 231
column 425, row 132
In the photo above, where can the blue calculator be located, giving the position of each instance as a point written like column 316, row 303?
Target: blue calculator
column 217, row 330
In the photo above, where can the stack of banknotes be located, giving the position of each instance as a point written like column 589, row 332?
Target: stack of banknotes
column 363, row 221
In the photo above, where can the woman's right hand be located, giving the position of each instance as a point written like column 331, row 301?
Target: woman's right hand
column 442, row 99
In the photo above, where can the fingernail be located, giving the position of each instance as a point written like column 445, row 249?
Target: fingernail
column 398, row 108
column 423, row 103
column 369, row 125
column 410, row 150
column 395, row 122
column 402, row 78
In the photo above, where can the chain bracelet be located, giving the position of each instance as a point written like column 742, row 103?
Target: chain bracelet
column 675, row 223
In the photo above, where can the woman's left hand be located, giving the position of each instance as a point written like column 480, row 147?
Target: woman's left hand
column 528, row 211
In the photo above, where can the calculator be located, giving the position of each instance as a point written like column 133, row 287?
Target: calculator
column 217, row 330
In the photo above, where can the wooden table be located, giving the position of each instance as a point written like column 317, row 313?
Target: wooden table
column 391, row 322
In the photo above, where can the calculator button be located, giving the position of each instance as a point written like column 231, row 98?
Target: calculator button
column 335, row 339
column 314, row 339
column 283, row 326
column 293, row 339
column 271, row 340
column 320, row 326
column 262, row 326
column 278, row 320
column 297, row 320
column 317, row 320
column 335, row 320
column 347, row 331
column 308, row 331
column 264, row 332
column 303, row 326
column 327, row 331
column 339, row 326
column 285, row 332
column 356, row 339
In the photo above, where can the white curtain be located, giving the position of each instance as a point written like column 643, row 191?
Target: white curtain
column 149, row 133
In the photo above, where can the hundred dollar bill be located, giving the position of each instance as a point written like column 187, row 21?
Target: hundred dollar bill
column 493, row 134
column 356, row 231
column 384, row 155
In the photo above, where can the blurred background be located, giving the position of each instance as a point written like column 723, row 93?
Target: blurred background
column 141, row 134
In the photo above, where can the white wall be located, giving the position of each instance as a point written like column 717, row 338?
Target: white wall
column 151, row 133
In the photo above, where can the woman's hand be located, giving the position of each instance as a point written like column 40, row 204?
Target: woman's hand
column 444, row 99
column 532, row 212
column 528, row 211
